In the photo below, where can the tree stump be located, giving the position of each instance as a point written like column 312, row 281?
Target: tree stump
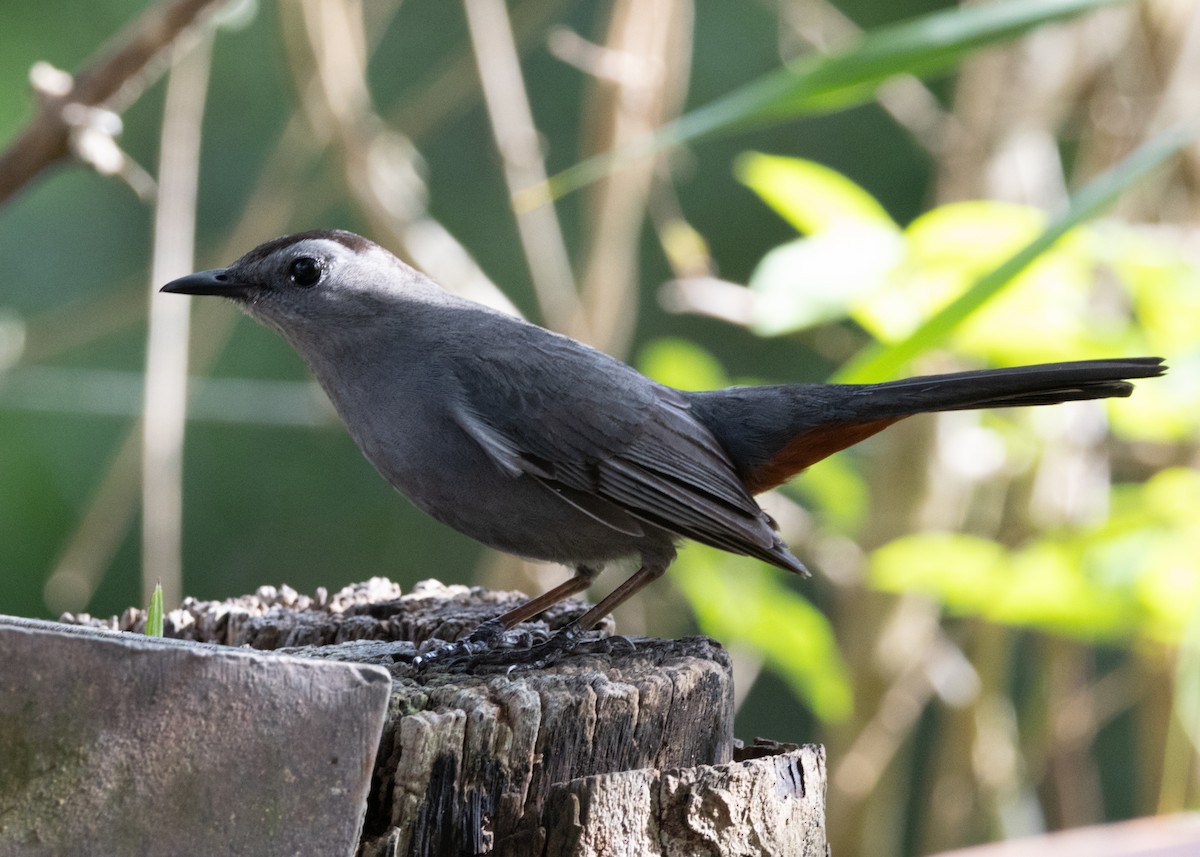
column 621, row 750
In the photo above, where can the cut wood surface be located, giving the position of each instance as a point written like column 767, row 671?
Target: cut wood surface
column 123, row 745
column 621, row 748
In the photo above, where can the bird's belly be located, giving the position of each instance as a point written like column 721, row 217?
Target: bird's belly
column 523, row 517
column 453, row 481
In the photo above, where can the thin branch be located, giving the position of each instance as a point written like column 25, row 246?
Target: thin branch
column 113, row 80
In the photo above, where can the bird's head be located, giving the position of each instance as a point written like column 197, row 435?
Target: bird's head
column 312, row 281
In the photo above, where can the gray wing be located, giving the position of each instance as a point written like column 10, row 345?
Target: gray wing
column 607, row 440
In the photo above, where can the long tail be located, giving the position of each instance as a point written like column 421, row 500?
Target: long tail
column 774, row 432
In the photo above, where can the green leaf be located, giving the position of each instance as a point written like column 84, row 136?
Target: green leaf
column 812, row 197
column 815, row 280
column 1051, row 302
column 737, row 599
column 836, row 492
column 944, row 250
column 1134, row 575
column 1049, row 588
column 1041, row 586
column 884, row 361
column 682, row 364
column 852, row 245
column 1167, row 585
column 963, row 572
column 154, row 613
column 822, row 83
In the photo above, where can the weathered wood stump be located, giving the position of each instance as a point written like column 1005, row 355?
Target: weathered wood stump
column 623, row 750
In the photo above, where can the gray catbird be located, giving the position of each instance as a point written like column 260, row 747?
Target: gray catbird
column 538, row 445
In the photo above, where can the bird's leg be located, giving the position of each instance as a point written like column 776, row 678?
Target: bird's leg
column 488, row 633
column 568, row 636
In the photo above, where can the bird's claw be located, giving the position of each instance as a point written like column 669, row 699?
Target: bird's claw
column 475, row 651
column 545, row 654
column 482, row 639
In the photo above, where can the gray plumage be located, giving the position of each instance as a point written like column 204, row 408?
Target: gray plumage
column 538, row 445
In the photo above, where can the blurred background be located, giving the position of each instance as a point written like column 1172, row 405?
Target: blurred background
column 1002, row 635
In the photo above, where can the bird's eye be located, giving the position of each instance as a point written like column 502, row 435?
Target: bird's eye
column 305, row 271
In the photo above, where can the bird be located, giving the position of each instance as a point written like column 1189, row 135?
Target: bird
column 538, row 445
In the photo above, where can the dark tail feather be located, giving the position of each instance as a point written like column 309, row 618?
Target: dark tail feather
column 774, row 432
column 1045, row 384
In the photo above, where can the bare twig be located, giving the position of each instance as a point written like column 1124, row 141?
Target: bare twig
column 91, row 546
column 167, row 341
column 653, row 39
column 380, row 165
column 112, row 81
column 453, row 88
column 517, row 141
column 926, row 665
column 651, row 68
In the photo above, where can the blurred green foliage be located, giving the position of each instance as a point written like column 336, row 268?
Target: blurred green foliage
column 845, row 258
column 1132, row 575
column 737, row 601
column 855, row 263
column 823, row 82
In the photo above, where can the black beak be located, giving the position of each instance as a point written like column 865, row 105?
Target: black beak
column 215, row 282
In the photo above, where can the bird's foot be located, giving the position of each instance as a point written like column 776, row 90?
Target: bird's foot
column 567, row 640
column 544, row 654
column 485, row 637
column 492, row 649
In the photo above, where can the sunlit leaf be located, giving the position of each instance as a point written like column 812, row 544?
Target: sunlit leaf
column 810, row 196
column 1164, row 282
column 1169, row 587
column 963, row 572
column 1038, row 587
column 1136, row 574
column 885, row 361
column 815, row 280
column 945, row 250
column 1169, row 584
column 850, row 249
column 1047, row 312
column 737, row 600
column 1165, row 409
column 1174, row 494
column 1048, row 589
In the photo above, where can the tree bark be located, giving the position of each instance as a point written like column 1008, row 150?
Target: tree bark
column 621, row 748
